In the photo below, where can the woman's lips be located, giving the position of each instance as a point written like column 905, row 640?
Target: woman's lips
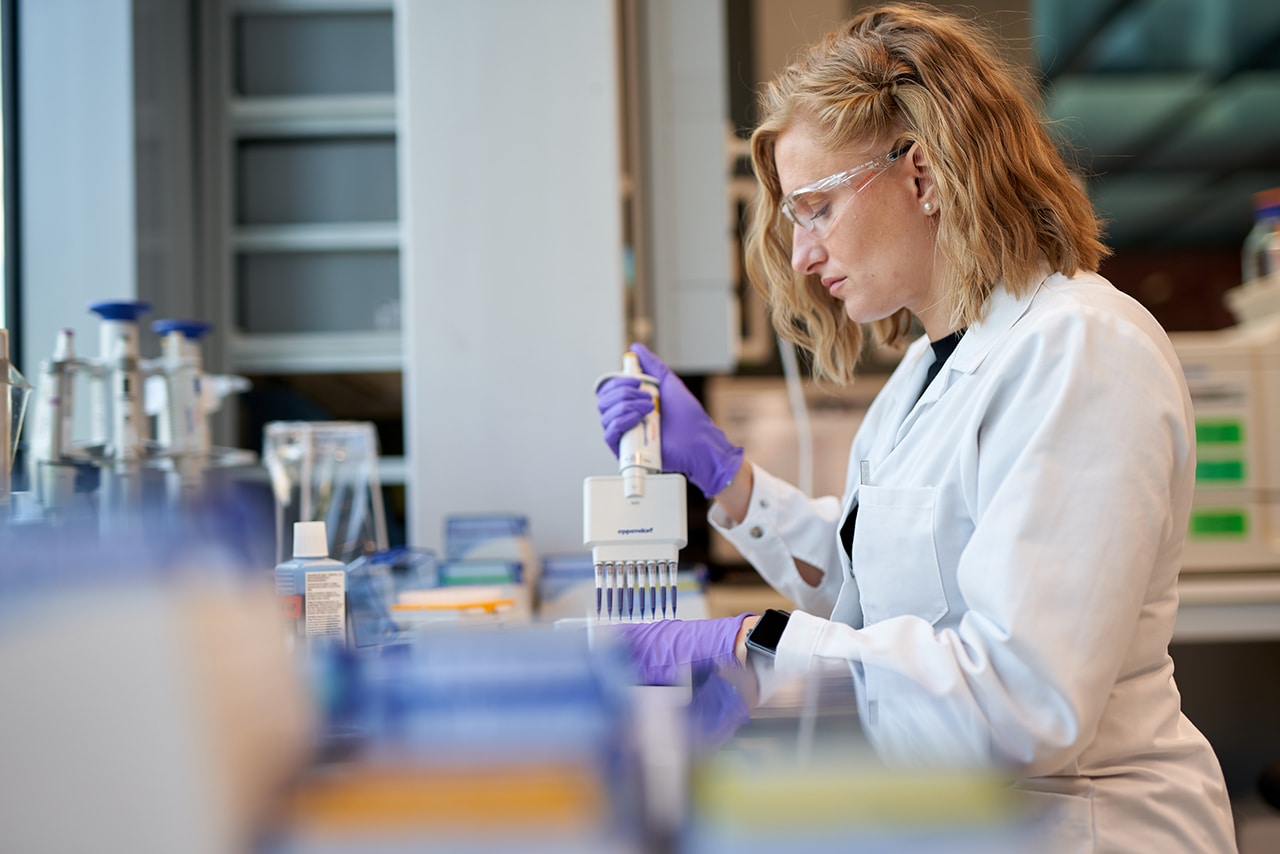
column 832, row 284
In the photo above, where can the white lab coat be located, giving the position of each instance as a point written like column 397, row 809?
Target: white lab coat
column 1013, row 587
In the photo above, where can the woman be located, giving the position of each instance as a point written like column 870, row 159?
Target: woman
column 1010, row 537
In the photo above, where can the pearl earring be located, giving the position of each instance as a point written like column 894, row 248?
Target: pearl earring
column 928, row 207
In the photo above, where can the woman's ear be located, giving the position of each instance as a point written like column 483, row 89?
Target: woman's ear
column 922, row 173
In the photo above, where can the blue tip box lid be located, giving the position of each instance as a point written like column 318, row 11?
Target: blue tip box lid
column 120, row 309
column 191, row 329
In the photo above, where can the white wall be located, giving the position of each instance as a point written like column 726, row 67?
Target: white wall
column 79, row 242
column 687, row 205
column 512, row 268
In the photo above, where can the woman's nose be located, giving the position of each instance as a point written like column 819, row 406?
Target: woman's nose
column 806, row 250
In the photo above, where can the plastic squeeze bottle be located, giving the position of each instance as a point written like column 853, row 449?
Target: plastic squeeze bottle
column 312, row 587
column 1260, row 257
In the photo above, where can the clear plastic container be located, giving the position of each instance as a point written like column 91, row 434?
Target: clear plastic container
column 14, row 390
column 326, row 471
column 1260, row 257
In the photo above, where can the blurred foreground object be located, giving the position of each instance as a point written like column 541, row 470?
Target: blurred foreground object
column 469, row 738
column 802, row 775
column 145, row 719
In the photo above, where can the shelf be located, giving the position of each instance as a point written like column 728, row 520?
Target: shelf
column 307, row 130
column 314, row 115
column 309, row 7
column 392, row 471
column 1223, row 608
column 316, row 352
column 318, row 237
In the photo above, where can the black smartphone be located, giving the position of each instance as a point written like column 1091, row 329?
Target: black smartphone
column 766, row 633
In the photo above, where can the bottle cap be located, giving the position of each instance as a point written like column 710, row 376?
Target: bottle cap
column 63, row 348
column 1265, row 200
column 310, row 540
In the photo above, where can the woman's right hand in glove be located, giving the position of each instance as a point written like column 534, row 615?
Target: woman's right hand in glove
column 692, row 444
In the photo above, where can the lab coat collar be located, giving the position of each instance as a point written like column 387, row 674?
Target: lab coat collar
column 1003, row 311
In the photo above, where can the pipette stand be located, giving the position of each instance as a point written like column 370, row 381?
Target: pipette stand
column 635, row 543
column 125, row 390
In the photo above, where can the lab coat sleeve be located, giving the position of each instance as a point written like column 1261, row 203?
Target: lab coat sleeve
column 784, row 525
column 1076, row 473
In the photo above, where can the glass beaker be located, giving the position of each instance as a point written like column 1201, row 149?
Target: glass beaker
column 13, row 406
column 326, row 471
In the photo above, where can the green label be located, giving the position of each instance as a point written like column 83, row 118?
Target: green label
column 1219, row 432
column 472, row 580
column 1219, row 523
column 1219, row 471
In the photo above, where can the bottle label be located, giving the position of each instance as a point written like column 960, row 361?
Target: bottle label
column 291, row 607
column 289, row 597
column 325, row 603
column 641, row 446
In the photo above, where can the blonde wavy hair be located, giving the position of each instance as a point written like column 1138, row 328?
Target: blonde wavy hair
column 1008, row 200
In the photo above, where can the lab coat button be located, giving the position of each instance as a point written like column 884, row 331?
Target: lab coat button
column 764, row 503
column 757, row 532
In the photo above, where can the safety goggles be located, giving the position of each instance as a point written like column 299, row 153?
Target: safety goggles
column 815, row 207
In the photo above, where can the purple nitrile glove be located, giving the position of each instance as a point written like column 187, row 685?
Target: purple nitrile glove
column 692, row 444
column 665, row 651
column 716, row 710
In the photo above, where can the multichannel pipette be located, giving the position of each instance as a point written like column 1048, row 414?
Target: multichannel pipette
column 635, row 523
